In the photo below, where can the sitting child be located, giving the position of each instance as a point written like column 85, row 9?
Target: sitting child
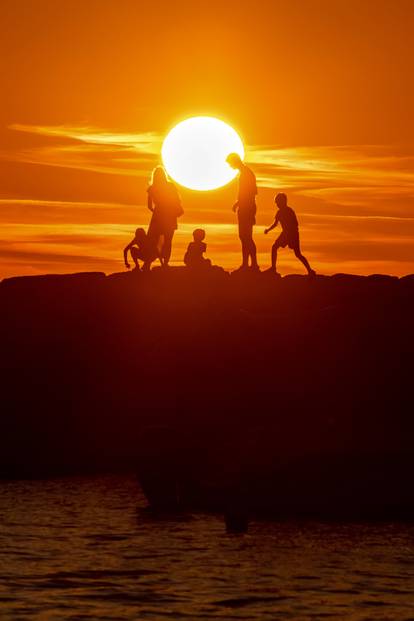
column 141, row 249
column 194, row 255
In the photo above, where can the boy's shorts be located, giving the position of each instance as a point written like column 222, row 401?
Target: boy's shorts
column 292, row 240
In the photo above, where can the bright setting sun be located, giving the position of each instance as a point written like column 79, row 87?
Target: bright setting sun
column 194, row 153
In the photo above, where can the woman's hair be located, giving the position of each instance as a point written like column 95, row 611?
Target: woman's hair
column 159, row 176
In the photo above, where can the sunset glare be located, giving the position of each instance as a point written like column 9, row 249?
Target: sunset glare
column 194, row 153
column 321, row 105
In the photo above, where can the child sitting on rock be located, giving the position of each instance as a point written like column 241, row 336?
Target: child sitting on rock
column 141, row 249
column 194, row 255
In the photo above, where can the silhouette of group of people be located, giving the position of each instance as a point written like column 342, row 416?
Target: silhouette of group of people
column 165, row 204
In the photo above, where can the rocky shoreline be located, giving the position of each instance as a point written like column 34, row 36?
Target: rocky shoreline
column 249, row 373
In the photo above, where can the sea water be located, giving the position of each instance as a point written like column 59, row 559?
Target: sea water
column 87, row 548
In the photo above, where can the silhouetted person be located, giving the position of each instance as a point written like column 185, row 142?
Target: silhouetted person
column 246, row 209
column 141, row 249
column 290, row 232
column 165, row 204
column 194, row 255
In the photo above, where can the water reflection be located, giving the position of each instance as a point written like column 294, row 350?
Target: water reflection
column 88, row 548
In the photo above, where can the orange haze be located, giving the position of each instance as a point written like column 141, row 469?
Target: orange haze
column 320, row 90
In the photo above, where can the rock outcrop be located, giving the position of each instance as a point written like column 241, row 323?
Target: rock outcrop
column 248, row 371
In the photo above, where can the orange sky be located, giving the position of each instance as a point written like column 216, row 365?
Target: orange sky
column 321, row 92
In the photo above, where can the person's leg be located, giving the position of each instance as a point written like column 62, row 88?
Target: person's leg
column 160, row 248
column 275, row 248
column 154, row 238
column 280, row 242
column 251, row 246
column 244, row 238
column 245, row 252
column 167, row 246
column 303, row 259
column 274, row 256
column 135, row 256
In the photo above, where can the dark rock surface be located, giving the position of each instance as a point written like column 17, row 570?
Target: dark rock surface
column 249, row 373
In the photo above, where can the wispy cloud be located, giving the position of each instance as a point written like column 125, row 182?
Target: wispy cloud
column 347, row 175
column 36, row 211
column 355, row 204
column 145, row 142
column 91, row 149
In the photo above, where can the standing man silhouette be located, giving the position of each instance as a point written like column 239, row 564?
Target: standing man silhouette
column 246, row 210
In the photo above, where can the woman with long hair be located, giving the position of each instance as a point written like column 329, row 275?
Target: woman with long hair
column 165, row 204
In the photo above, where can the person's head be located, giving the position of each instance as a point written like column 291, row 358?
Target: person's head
column 159, row 176
column 234, row 160
column 140, row 234
column 281, row 200
column 199, row 235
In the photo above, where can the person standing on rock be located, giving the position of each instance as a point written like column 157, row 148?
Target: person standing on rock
column 165, row 204
column 289, row 235
column 246, row 210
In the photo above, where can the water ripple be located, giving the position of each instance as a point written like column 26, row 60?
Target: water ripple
column 86, row 548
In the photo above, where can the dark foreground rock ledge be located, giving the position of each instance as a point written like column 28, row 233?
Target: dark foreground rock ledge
column 248, row 373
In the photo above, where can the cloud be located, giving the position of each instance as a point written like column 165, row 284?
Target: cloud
column 347, row 175
column 355, row 204
column 91, row 149
column 36, row 211
column 145, row 142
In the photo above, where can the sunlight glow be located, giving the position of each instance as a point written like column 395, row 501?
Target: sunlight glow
column 194, row 153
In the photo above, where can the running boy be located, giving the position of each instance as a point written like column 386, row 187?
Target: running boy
column 289, row 235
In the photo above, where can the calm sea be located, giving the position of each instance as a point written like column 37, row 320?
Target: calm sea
column 86, row 548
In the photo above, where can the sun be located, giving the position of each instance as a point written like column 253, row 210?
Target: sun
column 194, row 153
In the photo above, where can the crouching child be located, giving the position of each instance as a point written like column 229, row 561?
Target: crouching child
column 141, row 249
